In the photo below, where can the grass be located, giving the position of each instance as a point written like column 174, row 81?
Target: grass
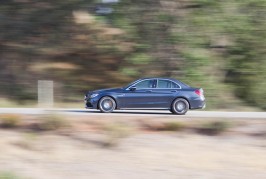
column 8, row 175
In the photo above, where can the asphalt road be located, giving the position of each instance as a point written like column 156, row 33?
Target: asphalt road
column 192, row 114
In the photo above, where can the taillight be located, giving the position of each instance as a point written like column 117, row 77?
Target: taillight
column 199, row 92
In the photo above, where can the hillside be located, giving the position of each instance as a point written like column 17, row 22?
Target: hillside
column 83, row 45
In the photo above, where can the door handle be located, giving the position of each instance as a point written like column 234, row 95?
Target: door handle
column 174, row 91
column 121, row 95
column 149, row 91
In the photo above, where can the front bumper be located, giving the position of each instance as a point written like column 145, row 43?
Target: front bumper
column 91, row 103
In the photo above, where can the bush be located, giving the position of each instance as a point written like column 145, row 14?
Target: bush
column 173, row 126
column 52, row 122
column 214, row 127
column 167, row 126
column 10, row 120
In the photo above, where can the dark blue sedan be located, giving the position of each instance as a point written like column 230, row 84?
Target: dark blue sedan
column 148, row 93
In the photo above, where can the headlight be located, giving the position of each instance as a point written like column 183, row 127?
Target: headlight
column 94, row 95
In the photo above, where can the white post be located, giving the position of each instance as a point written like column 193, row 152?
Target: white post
column 45, row 93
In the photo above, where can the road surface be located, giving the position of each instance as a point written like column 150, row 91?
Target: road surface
column 190, row 114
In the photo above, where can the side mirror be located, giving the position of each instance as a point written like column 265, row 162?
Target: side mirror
column 132, row 88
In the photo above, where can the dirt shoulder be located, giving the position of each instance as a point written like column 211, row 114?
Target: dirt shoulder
column 104, row 147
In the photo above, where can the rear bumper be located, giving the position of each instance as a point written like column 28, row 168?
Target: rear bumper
column 197, row 104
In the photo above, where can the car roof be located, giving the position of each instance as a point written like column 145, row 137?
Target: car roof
column 166, row 78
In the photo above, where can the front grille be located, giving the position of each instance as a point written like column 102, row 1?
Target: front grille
column 89, row 105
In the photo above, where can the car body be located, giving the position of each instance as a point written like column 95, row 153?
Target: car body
column 148, row 93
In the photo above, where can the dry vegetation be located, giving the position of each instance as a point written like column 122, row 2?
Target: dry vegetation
column 120, row 127
column 10, row 120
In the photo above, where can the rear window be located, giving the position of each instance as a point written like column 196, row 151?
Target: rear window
column 167, row 84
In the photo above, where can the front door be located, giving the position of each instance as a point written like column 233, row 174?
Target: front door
column 141, row 97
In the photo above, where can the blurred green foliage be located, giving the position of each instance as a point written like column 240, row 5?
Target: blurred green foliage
column 217, row 45
column 8, row 175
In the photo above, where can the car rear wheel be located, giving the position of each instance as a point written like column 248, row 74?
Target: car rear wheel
column 180, row 106
column 107, row 104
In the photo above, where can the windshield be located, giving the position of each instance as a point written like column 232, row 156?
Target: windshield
column 130, row 84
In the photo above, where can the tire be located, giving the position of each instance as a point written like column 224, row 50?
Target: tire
column 107, row 104
column 180, row 106
column 171, row 110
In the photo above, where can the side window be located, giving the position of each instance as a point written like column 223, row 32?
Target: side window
column 164, row 84
column 174, row 85
column 145, row 84
column 167, row 84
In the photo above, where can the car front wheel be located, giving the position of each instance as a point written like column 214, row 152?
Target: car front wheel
column 107, row 104
column 180, row 106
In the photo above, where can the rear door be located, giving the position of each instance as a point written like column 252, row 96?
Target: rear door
column 165, row 92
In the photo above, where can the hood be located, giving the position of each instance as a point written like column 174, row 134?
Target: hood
column 107, row 90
